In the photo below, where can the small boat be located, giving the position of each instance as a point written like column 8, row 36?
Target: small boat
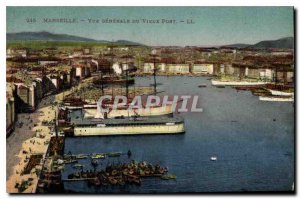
column 168, row 177
column 220, row 86
column 112, row 180
column 276, row 99
column 81, row 156
column 202, row 85
column 70, row 161
column 114, row 154
column 114, row 172
column 281, row 93
column 213, row 158
column 60, row 162
column 98, row 156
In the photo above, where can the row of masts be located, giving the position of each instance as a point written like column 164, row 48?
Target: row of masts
column 126, row 63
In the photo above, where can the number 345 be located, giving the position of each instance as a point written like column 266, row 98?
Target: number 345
column 30, row 20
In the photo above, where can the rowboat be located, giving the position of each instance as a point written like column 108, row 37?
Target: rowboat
column 114, row 154
column 98, row 156
column 202, row 85
column 81, row 156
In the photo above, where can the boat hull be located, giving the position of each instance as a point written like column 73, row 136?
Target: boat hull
column 236, row 83
column 276, row 99
column 280, row 93
column 129, row 130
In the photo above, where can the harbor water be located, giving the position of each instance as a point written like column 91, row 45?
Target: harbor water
column 253, row 141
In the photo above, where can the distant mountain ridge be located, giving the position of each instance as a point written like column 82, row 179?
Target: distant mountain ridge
column 47, row 36
column 237, row 45
column 286, row 42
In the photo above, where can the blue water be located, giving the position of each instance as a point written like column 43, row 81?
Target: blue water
column 255, row 153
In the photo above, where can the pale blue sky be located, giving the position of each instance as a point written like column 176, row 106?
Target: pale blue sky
column 213, row 25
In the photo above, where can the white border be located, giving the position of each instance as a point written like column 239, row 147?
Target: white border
column 110, row 3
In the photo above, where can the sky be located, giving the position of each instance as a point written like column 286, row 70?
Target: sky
column 211, row 25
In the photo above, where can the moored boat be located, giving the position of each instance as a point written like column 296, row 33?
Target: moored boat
column 202, row 85
column 98, row 156
column 281, row 93
column 81, row 156
column 114, row 154
column 236, row 83
column 276, row 99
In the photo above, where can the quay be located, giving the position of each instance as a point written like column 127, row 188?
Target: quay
column 23, row 144
column 29, row 138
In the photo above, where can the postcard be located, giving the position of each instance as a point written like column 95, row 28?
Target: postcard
column 150, row 100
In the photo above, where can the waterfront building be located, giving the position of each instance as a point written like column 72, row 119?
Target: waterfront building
column 16, row 52
column 10, row 109
column 86, row 51
column 178, row 68
column 202, row 68
column 80, row 73
column 47, row 84
column 228, row 69
column 148, row 67
column 26, row 97
column 104, row 65
column 38, row 85
column 56, row 81
column 52, row 61
column 77, row 53
column 161, row 67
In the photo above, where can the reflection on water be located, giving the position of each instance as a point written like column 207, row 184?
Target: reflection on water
column 253, row 151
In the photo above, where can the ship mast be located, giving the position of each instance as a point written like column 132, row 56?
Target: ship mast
column 126, row 64
column 154, row 57
column 111, row 55
column 101, row 80
column 126, row 67
column 101, row 59
column 126, row 79
column 55, row 125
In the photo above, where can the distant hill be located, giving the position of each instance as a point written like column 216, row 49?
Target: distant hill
column 287, row 42
column 43, row 36
column 126, row 42
column 47, row 36
column 237, row 45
